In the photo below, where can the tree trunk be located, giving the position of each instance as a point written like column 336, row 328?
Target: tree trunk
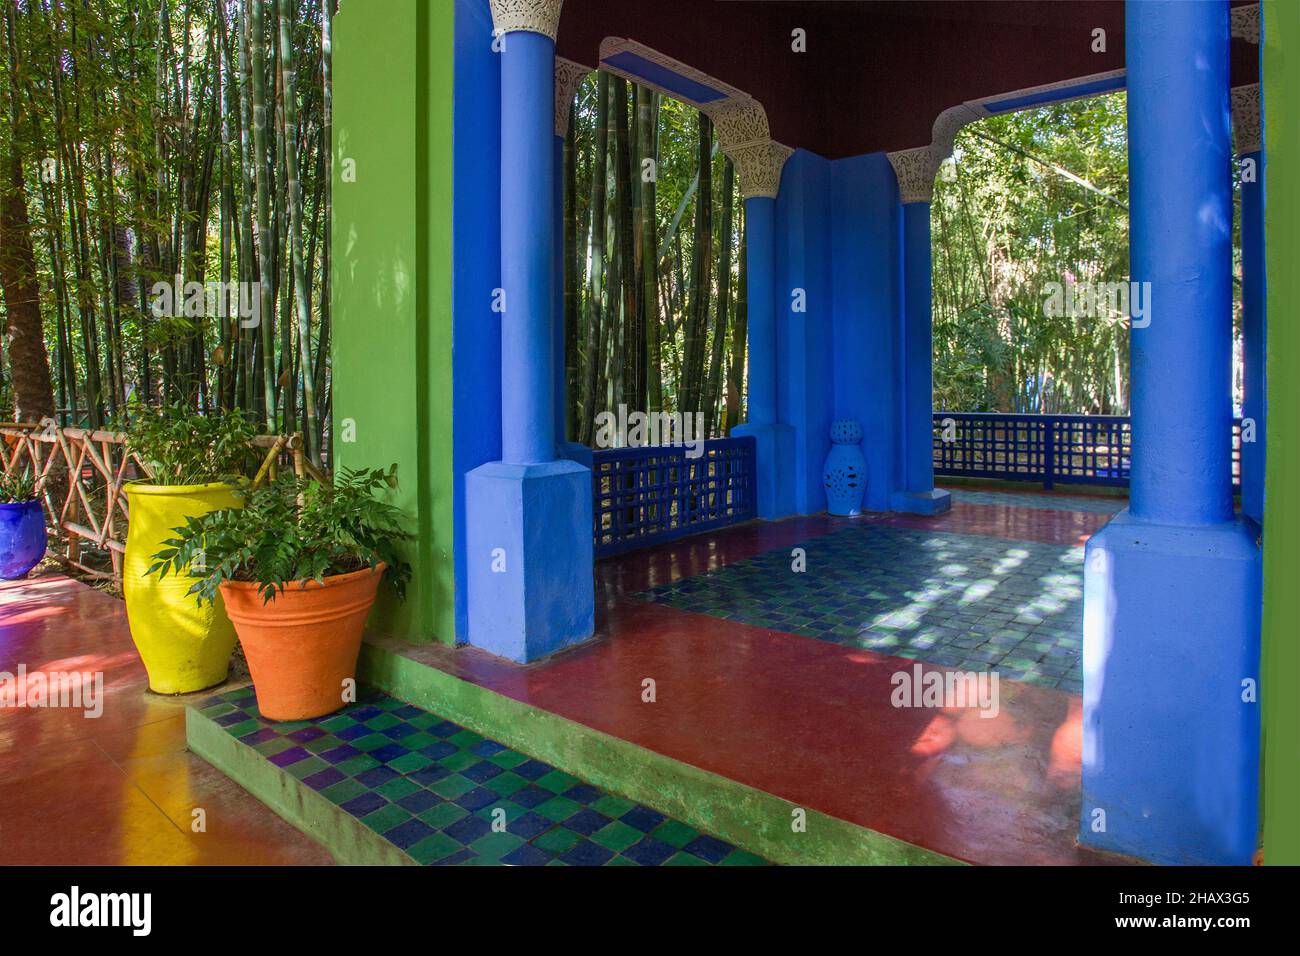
column 701, row 270
column 596, row 277
column 33, row 389
column 648, row 136
column 714, row 386
column 739, row 333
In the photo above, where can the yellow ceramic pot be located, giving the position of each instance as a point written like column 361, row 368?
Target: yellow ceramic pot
column 184, row 647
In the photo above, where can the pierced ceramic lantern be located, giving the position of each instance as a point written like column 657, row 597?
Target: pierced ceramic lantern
column 845, row 475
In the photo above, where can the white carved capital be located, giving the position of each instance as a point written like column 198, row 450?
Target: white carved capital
column 568, row 77
column 1246, row 119
column 1245, row 23
column 744, row 136
column 915, row 169
column 759, row 166
column 535, row 16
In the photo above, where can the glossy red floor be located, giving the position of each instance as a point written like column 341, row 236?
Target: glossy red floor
column 119, row 788
column 800, row 718
column 811, row 721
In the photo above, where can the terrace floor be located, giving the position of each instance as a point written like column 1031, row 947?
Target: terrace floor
column 782, row 679
column 776, row 678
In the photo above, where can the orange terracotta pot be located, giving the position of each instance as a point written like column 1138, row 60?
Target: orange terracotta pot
column 303, row 645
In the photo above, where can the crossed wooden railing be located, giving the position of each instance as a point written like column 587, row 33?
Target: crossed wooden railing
column 90, row 467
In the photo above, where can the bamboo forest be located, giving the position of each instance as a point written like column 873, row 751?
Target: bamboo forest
column 162, row 159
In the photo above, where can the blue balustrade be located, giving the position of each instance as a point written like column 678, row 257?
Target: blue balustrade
column 1070, row 449
column 647, row 495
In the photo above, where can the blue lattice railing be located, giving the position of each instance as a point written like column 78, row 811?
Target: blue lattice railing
column 1071, row 449
column 642, row 496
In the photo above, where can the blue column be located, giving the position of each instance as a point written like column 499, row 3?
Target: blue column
column 557, row 325
column 527, row 236
column 760, row 225
column 1254, row 329
column 528, row 517
column 918, row 493
column 1172, row 584
column 773, row 441
column 1181, row 199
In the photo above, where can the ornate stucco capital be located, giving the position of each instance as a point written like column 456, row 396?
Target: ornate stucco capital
column 759, row 166
column 1246, row 118
column 915, row 169
column 568, row 77
column 535, row 16
column 744, row 136
column 1245, row 23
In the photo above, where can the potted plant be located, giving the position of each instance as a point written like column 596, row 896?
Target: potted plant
column 22, row 526
column 299, row 566
column 195, row 462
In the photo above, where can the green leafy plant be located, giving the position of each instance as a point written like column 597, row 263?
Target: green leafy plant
column 17, row 488
column 182, row 447
column 292, row 530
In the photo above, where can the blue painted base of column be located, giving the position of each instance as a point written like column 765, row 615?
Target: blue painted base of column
column 774, row 466
column 1170, row 749
column 529, row 558
column 933, row 502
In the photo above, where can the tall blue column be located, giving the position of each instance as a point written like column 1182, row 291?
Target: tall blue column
column 773, row 441
column 915, row 170
column 919, row 494
column 760, row 266
column 1172, row 584
column 527, row 237
column 528, row 516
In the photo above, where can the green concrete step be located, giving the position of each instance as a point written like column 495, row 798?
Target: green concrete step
column 386, row 782
column 759, row 822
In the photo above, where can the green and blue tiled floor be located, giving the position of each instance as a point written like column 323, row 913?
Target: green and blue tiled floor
column 958, row 600
column 433, row 789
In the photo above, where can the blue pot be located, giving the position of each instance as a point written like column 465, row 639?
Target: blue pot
column 22, row 538
column 845, row 475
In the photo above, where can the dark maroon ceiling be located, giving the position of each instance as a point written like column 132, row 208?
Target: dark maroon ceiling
column 876, row 72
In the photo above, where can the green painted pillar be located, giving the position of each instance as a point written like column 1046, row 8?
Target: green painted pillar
column 391, row 280
column 1281, row 72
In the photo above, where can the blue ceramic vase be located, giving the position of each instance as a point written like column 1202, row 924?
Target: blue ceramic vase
column 22, row 538
column 845, row 475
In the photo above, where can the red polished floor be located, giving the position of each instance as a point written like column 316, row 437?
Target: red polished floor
column 119, row 788
column 800, row 718
column 812, row 721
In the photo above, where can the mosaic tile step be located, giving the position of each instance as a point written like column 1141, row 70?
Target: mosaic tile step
column 433, row 789
column 1037, row 502
column 966, row 601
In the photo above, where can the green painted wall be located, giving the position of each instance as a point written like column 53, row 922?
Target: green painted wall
column 1281, row 56
column 391, row 282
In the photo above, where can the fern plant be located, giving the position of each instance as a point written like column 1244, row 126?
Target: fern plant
column 182, row 447
column 292, row 530
column 17, row 488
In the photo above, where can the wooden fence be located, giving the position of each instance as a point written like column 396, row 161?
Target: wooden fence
column 90, row 467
